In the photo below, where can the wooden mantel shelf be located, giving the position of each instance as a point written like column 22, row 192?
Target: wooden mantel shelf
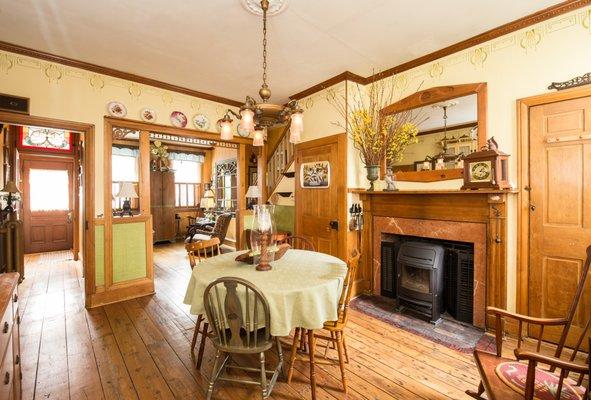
column 431, row 192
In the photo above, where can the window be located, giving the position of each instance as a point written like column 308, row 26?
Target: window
column 34, row 137
column 49, row 190
column 226, row 184
column 124, row 168
column 187, row 178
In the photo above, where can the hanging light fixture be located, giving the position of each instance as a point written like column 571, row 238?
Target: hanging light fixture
column 256, row 117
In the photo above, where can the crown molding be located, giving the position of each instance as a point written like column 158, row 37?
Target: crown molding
column 25, row 51
column 521, row 23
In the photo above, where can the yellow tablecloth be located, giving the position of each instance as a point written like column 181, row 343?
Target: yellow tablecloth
column 302, row 289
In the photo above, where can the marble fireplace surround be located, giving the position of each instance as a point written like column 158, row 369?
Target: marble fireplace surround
column 468, row 232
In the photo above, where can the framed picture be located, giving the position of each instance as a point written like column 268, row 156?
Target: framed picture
column 315, row 175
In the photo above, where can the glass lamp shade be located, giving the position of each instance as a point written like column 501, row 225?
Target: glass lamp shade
column 127, row 190
column 263, row 235
column 258, row 138
column 247, row 120
column 226, row 132
column 296, row 127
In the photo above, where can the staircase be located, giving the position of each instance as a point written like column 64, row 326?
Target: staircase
column 279, row 163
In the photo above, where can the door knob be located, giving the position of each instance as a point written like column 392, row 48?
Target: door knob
column 532, row 207
column 334, row 225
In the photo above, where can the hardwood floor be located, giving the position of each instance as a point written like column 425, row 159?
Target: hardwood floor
column 139, row 349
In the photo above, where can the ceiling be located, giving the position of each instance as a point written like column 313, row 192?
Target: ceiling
column 462, row 111
column 215, row 46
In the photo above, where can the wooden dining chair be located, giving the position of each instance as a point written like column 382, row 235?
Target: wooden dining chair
column 523, row 377
column 300, row 242
column 202, row 249
column 197, row 251
column 241, row 324
column 336, row 329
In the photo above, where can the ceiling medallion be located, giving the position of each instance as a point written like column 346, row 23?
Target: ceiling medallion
column 255, row 117
column 254, row 7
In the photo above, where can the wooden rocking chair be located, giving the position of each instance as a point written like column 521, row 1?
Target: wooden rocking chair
column 507, row 379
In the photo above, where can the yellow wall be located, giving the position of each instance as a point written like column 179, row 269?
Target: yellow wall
column 517, row 65
column 61, row 92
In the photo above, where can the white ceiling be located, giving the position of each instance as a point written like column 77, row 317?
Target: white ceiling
column 464, row 111
column 214, row 46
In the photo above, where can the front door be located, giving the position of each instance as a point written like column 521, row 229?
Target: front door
column 559, row 209
column 321, row 193
column 47, row 204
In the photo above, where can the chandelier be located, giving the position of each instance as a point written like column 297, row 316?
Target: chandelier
column 256, row 117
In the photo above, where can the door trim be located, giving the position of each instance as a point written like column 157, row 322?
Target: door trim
column 523, row 200
column 88, row 178
column 340, row 172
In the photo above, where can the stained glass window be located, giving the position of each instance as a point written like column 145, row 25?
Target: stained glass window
column 45, row 138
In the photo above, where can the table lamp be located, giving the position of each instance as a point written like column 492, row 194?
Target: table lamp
column 253, row 192
column 207, row 202
column 13, row 195
column 127, row 192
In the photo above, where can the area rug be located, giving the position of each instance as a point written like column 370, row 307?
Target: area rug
column 449, row 333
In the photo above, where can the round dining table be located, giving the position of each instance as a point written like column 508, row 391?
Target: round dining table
column 302, row 288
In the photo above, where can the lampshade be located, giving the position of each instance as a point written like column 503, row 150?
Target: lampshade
column 226, row 129
column 296, row 127
column 253, row 192
column 247, row 120
column 208, row 194
column 207, row 202
column 127, row 190
column 258, row 138
column 10, row 187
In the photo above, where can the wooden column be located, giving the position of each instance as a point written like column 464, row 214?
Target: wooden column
column 262, row 173
column 242, row 176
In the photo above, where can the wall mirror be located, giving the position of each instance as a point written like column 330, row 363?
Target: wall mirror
column 453, row 125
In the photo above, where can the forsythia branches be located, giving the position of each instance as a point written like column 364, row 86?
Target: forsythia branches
column 377, row 137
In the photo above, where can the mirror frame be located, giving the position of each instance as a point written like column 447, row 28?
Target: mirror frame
column 435, row 95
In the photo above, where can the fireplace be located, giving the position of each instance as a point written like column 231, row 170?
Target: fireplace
column 419, row 272
column 451, row 276
column 473, row 217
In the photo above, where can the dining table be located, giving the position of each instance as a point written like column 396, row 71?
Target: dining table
column 302, row 288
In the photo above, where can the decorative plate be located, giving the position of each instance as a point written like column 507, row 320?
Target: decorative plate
column 116, row 109
column 201, row 122
column 178, row 119
column 148, row 115
column 241, row 132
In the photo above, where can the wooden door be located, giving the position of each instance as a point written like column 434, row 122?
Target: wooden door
column 321, row 211
column 560, row 208
column 48, row 204
column 162, row 203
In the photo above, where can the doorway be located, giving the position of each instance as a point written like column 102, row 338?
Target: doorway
column 48, row 203
column 555, row 206
column 82, row 160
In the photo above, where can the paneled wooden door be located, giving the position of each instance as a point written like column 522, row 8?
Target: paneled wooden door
column 321, row 212
column 559, row 209
column 48, row 204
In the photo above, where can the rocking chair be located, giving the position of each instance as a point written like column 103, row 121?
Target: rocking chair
column 507, row 379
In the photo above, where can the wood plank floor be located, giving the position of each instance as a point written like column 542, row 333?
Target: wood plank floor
column 139, row 349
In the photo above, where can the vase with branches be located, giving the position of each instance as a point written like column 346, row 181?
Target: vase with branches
column 377, row 137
